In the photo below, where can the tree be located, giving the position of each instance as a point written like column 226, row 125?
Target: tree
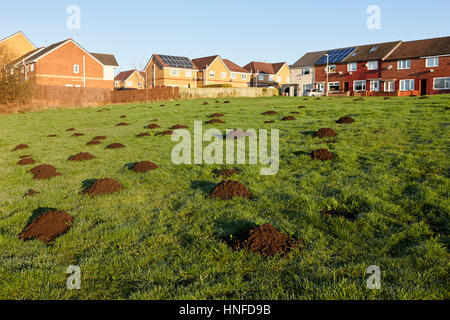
column 12, row 88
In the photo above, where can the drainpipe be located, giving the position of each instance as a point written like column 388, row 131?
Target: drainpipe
column 84, row 71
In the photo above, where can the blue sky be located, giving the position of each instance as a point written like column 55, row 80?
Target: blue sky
column 241, row 31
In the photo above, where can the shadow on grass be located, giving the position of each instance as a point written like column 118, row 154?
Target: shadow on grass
column 130, row 166
column 228, row 228
column 38, row 212
column 301, row 153
column 86, row 184
column 203, row 185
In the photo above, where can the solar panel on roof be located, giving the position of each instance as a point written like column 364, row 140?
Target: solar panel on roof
column 177, row 62
column 336, row 55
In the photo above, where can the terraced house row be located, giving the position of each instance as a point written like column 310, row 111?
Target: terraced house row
column 420, row 67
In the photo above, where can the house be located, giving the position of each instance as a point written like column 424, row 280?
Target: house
column 214, row 70
column 302, row 73
column 67, row 64
column 131, row 79
column 265, row 74
column 15, row 46
column 353, row 70
column 420, row 67
column 170, row 71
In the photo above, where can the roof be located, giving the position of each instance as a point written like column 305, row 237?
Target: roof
column 105, row 59
column 45, row 51
column 124, row 75
column 173, row 61
column 25, row 56
column 203, row 63
column 233, row 67
column 336, row 55
column 421, row 48
column 15, row 34
column 264, row 67
column 374, row 51
column 309, row 59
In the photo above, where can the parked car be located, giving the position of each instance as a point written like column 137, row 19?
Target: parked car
column 315, row 93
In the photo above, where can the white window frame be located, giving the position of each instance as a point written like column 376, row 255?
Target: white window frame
column 212, row 74
column 279, row 79
column 261, row 77
column 334, row 83
column 69, row 85
column 223, row 75
column 352, row 66
column 288, row 79
column 404, row 64
column 372, row 65
column 446, row 83
column 331, row 67
column 188, row 74
column 305, row 71
column 364, row 85
column 129, row 83
column 435, row 62
column 374, row 88
column 233, row 75
column 174, row 72
column 403, row 83
column 12, row 72
column 389, row 86
column 270, row 77
column 244, row 77
column 76, row 68
column 32, row 67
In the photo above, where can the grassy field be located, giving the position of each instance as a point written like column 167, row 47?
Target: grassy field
column 162, row 238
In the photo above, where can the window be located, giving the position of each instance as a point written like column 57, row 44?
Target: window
column 116, row 83
column 374, row 48
column 270, row 78
column 374, row 85
column 129, row 83
column 212, row 74
column 223, row 75
column 174, row 72
column 279, row 79
column 354, row 53
column 389, row 86
column 233, row 75
column 372, row 65
column 261, row 78
column 244, row 77
column 76, row 68
column 305, row 71
column 432, row 62
column 140, row 84
column 404, row 64
column 188, row 74
column 406, row 85
column 288, row 80
column 12, row 71
column 359, row 85
column 332, row 68
column 69, row 85
column 77, row 86
column 333, row 86
column 352, row 66
column 31, row 67
column 441, row 83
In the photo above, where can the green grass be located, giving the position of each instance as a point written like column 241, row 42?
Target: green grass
column 161, row 238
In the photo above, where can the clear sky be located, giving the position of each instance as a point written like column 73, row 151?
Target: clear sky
column 242, row 31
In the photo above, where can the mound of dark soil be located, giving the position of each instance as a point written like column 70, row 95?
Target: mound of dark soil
column 165, row 133
column 288, row 118
column 227, row 101
column 162, row 105
column 78, row 134
column 20, row 147
column 44, row 171
column 115, row 146
column 295, row 112
column 25, row 156
column 179, row 126
column 71, row 129
column 122, row 124
column 216, row 115
column 265, row 240
column 52, row 136
column 217, row 101
column 212, row 121
column 99, row 138
column 30, row 193
column 270, row 121
column 270, row 113
column 144, row 166
column 345, row 120
column 229, row 189
column 93, row 142
column 205, row 103
column 359, row 99
column 103, row 186
column 83, row 156
column 325, row 132
column 177, row 105
column 301, row 107
column 322, row 154
column 225, row 173
column 152, row 126
column 26, row 162
column 48, row 226
column 143, row 134
column 123, row 117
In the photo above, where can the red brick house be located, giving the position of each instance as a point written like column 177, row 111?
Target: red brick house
column 67, row 64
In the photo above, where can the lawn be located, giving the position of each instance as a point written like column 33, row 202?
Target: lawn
column 162, row 237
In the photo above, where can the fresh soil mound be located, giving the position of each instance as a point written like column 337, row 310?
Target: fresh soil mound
column 143, row 134
column 270, row 113
column 152, row 126
column 227, row 101
column 123, row 117
column 216, row 115
column 212, row 121
column 44, row 171
column 21, row 147
column 345, row 120
column 165, row 133
column 83, row 156
column 177, row 105
column 30, row 193
column 295, row 112
column 25, row 156
column 78, row 135
column 26, row 162
column 205, row 103
column 99, row 138
column 225, row 173
column 144, row 166
column 238, row 134
column 179, row 126
column 93, row 142
column 229, row 189
column 265, row 240
column 103, row 186
column 301, row 107
column 270, row 121
column 325, row 132
column 122, row 124
column 288, row 118
column 71, row 129
column 48, row 226
column 52, row 136
column 115, row 146
column 322, row 154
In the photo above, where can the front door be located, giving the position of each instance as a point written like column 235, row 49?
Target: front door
column 346, row 88
column 423, row 87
